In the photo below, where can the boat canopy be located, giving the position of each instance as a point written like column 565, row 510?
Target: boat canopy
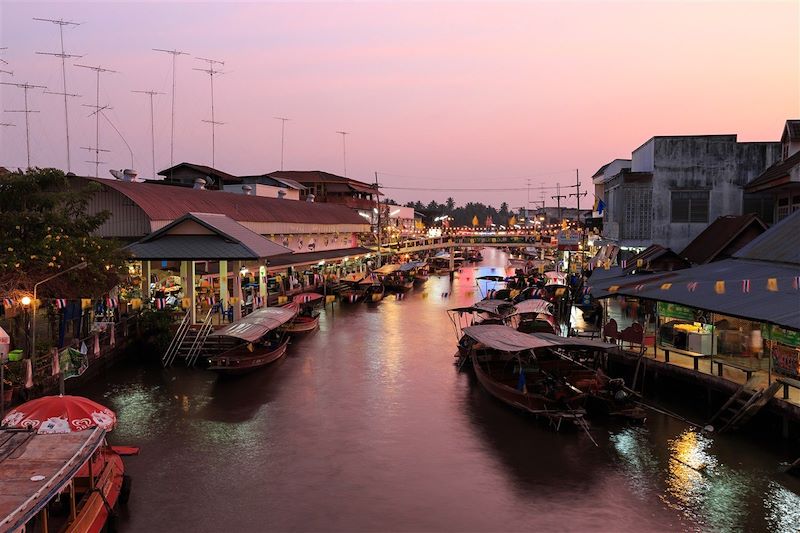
column 306, row 297
column 355, row 277
column 411, row 265
column 387, row 269
column 258, row 323
column 505, row 338
column 575, row 342
column 491, row 278
column 533, row 306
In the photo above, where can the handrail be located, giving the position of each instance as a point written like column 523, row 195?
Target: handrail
column 199, row 340
column 175, row 343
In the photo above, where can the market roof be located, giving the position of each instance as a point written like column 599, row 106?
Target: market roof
column 319, row 176
column 775, row 175
column 56, row 457
column 204, row 236
column 258, row 323
column 647, row 258
column 161, row 202
column 697, row 287
column 721, row 238
column 209, row 171
column 780, row 243
column 311, row 258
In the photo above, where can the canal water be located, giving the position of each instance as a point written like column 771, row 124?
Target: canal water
column 367, row 426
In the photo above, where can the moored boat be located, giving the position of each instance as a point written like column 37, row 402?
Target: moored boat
column 259, row 341
column 307, row 318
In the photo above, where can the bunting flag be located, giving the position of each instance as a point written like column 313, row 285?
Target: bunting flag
column 638, row 288
column 86, row 303
column 353, row 298
column 329, row 299
column 745, row 285
column 691, row 286
column 8, row 302
column 666, row 286
column 160, row 303
column 639, row 263
column 719, row 287
column 772, row 284
column 400, row 295
column 112, row 303
column 624, row 263
column 282, row 300
column 613, row 288
column 796, row 282
column 96, row 347
column 28, row 374
column 136, row 303
column 186, row 303
column 61, row 303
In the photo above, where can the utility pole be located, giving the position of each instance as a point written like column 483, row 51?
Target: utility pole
column 558, row 198
column 25, row 87
column 528, row 205
column 152, row 126
column 344, row 150
column 577, row 194
column 96, row 149
column 378, row 219
column 64, row 56
column 283, row 127
column 175, row 54
column 211, row 71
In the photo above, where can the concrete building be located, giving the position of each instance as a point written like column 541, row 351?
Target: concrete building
column 676, row 185
column 605, row 173
column 780, row 183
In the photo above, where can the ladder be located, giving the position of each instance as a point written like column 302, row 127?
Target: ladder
column 743, row 405
column 199, row 340
column 174, row 345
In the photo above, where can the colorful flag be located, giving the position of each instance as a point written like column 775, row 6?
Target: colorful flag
column 796, row 282
column 719, row 287
column 772, row 284
column 8, row 302
column 746, row 285
column 55, row 367
column 666, row 286
column 613, row 288
column 691, row 286
column 599, row 205
column 61, row 303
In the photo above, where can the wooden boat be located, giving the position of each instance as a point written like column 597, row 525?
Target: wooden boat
column 355, row 287
column 393, row 277
column 307, row 318
column 421, row 272
column 60, row 482
column 259, row 341
column 504, row 362
column 533, row 316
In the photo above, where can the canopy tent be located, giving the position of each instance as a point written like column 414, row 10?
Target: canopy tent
column 411, row 265
column 499, row 308
column 258, row 323
column 506, row 339
column 387, row 269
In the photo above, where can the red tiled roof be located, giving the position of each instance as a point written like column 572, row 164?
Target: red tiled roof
column 160, row 202
column 717, row 236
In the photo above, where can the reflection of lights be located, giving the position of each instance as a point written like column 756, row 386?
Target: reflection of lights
column 782, row 507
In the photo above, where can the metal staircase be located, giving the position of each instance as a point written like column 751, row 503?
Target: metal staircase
column 199, row 340
column 743, row 405
column 177, row 341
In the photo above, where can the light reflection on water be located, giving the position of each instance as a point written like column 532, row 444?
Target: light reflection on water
column 366, row 426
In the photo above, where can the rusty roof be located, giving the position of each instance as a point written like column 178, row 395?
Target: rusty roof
column 718, row 236
column 160, row 202
column 209, row 171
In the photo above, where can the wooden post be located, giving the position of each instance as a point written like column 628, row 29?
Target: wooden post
column 146, row 280
column 237, row 291
column 73, row 510
column 223, row 287
column 262, row 282
column 190, row 292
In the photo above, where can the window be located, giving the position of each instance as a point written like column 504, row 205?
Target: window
column 637, row 212
column 689, row 206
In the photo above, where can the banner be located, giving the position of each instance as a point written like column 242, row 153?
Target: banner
column 781, row 335
column 786, row 361
column 72, row 362
column 666, row 309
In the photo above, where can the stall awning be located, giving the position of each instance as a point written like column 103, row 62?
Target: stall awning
column 257, row 324
column 312, row 258
column 505, row 339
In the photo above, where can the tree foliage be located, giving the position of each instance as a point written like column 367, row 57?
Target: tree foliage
column 462, row 215
column 44, row 229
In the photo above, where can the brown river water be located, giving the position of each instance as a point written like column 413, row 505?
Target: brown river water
column 367, row 426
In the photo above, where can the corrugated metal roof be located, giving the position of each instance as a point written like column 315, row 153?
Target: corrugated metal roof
column 318, row 176
column 718, row 235
column 161, row 202
column 780, row 243
column 307, row 258
column 778, row 170
column 209, row 171
column 781, row 307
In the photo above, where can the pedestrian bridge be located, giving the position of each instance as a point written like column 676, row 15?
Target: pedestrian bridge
column 463, row 241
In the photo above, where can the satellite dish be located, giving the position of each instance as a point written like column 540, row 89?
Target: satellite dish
column 117, row 174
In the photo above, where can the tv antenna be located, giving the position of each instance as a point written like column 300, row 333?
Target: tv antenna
column 175, row 54
column 283, row 127
column 344, row 149
column 25, row 87
column 211, row 70
column 151, row 94
column 64, row 56
column 96, row 149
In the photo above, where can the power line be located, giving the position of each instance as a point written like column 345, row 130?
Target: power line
column 64, row 56
column 537, row 175
column 490, row 189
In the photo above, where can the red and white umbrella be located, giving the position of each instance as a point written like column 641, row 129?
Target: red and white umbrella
column 60, row 414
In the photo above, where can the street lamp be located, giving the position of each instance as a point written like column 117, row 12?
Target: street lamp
column 79, row 266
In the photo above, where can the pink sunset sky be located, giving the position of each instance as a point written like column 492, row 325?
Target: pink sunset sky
column 456, row 95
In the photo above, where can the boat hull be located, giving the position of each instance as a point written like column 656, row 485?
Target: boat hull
column 241, row 363
column 302, row 324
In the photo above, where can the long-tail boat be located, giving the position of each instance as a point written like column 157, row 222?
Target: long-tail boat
column 307, row 319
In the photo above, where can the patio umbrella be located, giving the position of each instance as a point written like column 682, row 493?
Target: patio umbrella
column 60, row 414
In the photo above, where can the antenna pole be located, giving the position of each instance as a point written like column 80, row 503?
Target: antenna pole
column 25, row 87
column 175, row 54
column 152, row 126
column 64, row 56
column 211, row 71
column 283, row 127
column 344, row 150
column 558, row 198
column 98, row 70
